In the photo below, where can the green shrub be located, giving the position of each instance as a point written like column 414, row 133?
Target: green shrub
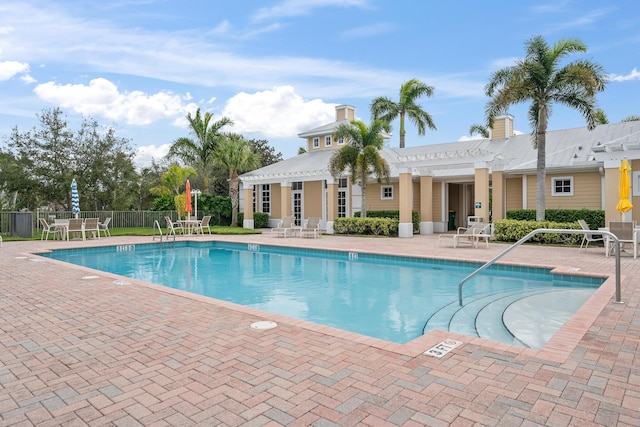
column 366, row 226
column 595, row 218
column 260, row 219
column 511, row 230
column 415, row 217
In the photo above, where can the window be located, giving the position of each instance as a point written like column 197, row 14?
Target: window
column 562, row 186
column 327, row 141
column 316, row 142
column 386, row 192
column 296, row 186
column 342, row 198
column 341, row 141
column 266, row 198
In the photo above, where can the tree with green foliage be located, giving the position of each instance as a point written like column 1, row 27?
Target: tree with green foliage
column 361, row 155
column 173, row 180
column 631, row 118
column 236, row 155
column 480, row 130
column 198, row 152
column 268, row 155
column 538, row 78
column 50, row 156
column 385, row 109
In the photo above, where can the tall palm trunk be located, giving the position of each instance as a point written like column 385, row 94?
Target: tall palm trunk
column 402, row 130
column 541, row 176
column 234, row 193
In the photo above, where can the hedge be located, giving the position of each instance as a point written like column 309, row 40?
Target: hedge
column 511, row 230
column 370, row 226
column 260, row 219
column 415, row 217
column 595, row 218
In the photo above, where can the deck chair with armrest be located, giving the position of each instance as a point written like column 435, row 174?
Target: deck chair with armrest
column 471, row 235
column 104, row 227
column 204, row 225
column 91, row 226
column 284, row 228
column 48, row 228
column 172, row 227
column 624, row 231
column 312, row 228
column 588, row 238
column 76, row 225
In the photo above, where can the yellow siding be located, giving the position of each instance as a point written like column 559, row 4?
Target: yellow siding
column 374, row 201
column 416, row 197
column 513, row 194
column 587, row 192
column 531, row 191
column 313, row 199
column 276, row 196
column 437, row 202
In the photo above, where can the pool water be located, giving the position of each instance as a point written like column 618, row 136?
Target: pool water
column 381, row 296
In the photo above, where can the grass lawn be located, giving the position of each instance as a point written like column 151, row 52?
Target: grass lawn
column 143, row 231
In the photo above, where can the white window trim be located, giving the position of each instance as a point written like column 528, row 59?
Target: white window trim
column 316, row 142
column 327, row 141
column 636, row 183
column 561, row 178
column 382, row 196
column 341, row 141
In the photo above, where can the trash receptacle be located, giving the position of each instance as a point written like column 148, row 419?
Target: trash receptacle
column 21, row 224
column 452, row 220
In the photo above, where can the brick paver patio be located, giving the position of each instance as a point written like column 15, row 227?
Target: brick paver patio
column 77, row 351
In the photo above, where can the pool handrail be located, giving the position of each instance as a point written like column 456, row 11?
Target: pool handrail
column 618, row 298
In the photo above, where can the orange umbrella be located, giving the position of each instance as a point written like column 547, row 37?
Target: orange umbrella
column 188, row 198
column 624, row 205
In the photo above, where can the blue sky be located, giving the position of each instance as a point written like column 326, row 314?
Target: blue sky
column 279, row 67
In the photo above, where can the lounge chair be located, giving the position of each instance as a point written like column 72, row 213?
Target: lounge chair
column 588, row 238
column 76, row 225
column 104, row 227
column 312, row 229
column 91, row 225
column 286, row 227
column 472, row 235
column 204, row 224
column 172, row 227
column 49, row 228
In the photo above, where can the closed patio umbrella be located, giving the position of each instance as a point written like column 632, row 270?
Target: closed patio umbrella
column 75, row 199
column 624, row 205
column 188, row 198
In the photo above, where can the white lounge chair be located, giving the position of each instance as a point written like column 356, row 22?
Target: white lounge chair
column 312, row 229
column 172, row 227
column 49, row 228
column 472, row 235
column 104, row 227
column 286, row 227
column 588, row 238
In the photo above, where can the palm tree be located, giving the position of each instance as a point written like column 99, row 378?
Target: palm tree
column 385, row 109
column 173, row 180
column 199, row 151
column 236, row 155
column 480, row 130
column 361, row 155
column 538, row 78
column 631, row 118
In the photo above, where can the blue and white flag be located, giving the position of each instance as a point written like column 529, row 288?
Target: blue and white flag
column 75, row 198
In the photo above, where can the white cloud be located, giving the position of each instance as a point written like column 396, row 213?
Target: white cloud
column 633, row 75
column 146, row 153
column 103, row 98
column 302, row 7
column 277, row 113
column 9, row 69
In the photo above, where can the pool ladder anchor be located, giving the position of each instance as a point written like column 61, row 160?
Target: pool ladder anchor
column 618, row 298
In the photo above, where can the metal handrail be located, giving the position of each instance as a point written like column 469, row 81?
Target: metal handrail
column 550, row 230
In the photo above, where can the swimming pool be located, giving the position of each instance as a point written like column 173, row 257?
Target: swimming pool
column 388, row 297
